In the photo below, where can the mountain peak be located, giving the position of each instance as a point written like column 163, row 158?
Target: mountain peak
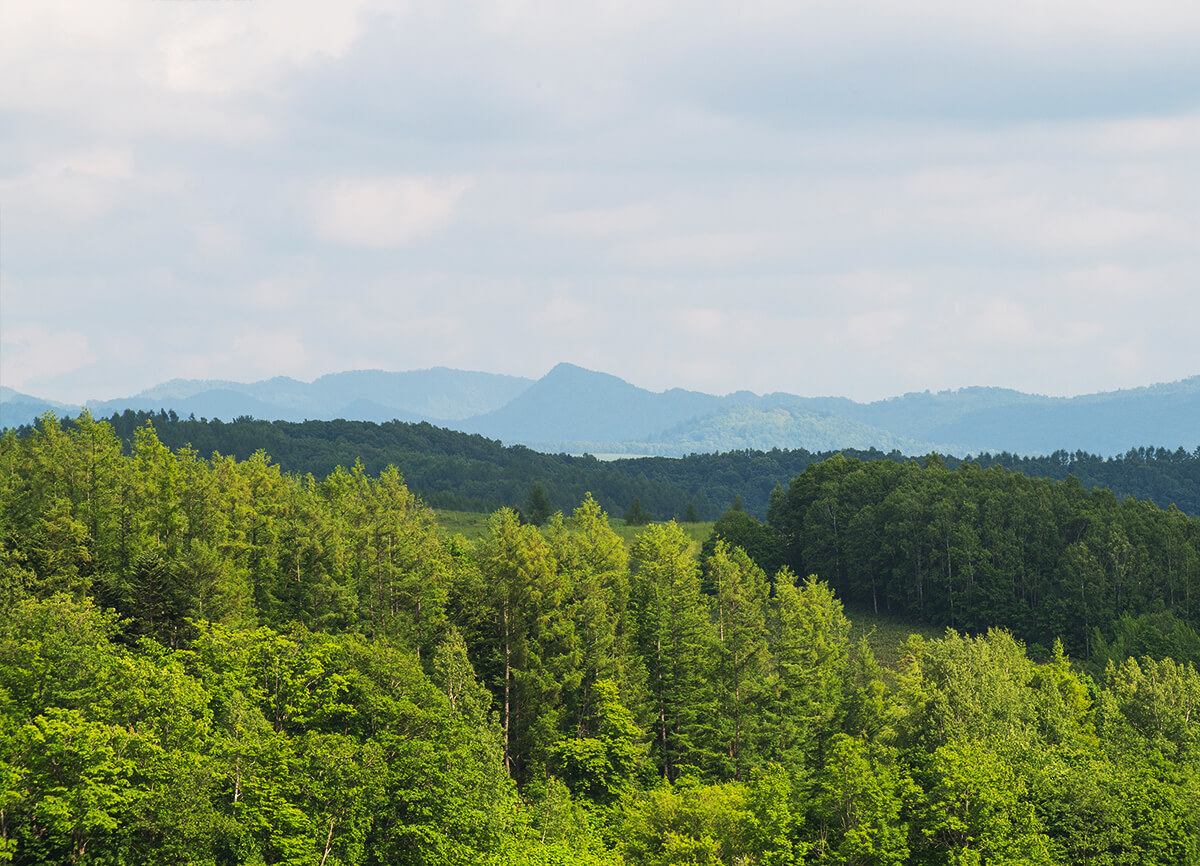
column 567, row 371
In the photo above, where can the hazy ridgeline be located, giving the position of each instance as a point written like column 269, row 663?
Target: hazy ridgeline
column 212, row 660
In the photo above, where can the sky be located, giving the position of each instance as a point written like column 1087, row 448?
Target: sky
column 854, row 197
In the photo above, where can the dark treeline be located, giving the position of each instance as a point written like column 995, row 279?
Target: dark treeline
column 213, row 661
column 1158, row 474
column 471, row 473
column 973, row 548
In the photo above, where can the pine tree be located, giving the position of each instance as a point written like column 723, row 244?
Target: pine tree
column 675, row 637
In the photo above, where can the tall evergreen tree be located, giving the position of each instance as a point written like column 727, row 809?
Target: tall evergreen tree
column 676, row 638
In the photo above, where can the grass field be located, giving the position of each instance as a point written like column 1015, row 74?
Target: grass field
column 886, row 633
column 469, row 524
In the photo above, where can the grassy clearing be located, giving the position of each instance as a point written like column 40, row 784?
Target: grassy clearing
column 472, row 525
column 886, row 633
column 697, row 532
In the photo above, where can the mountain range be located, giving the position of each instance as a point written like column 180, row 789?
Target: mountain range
column 575, row 410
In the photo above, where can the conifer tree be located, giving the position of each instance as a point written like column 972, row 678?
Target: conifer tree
column 742, row 663
column 676, row 638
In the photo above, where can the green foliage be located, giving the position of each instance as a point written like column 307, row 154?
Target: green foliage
column 601, row 767
column 738, row 529
column 687, row 824
column 810, row 645
column 974, row 810
column 216, row 661
column 637, row 514
column 675, row 637
column 963, row 688
column 743, row 676
column 859, row 801
column 973, row 548
column 537, row 507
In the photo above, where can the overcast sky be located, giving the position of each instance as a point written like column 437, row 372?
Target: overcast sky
column 846, row 197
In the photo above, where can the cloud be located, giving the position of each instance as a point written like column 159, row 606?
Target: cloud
column 714, row 248
column 631, row 219
column 855, row 198
column 386, row 212
column 877, row 328
column 76, row 186
column 35, row 355
column 245, row 348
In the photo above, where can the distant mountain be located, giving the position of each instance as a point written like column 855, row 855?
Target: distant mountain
column 223, row 403
column 573, row 404
column 921, row 415
column 994, row 419
column 17, row 408
column 1104, row 424
column 438, row 394
column 766, row 427
column 576, row 410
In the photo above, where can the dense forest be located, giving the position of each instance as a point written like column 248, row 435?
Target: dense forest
column 212, row 660
column 456, row 470
column 974, row 547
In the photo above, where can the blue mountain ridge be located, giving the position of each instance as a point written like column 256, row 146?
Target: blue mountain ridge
column 574, row 409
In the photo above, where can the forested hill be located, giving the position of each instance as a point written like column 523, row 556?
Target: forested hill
column 210, row 661
column 576, row 410
column 469, row 472
column 971, row 548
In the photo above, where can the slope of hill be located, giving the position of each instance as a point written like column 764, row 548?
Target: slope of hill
column 576, row 410
column 432, row 395
column 17, row 408
column 1103, row 423
column 437, row 394
column 573, row 404
column 764, row 428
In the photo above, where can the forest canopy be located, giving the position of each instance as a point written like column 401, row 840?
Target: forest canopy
column 212, row 660
column 454, row 470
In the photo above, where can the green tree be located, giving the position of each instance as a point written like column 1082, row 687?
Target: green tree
column 537, row 649
column 974, row 809
column 537, row 509
column 594, row 564
column 739, row 529
column 675, row 638
column 809, row 641
column 744, row 673
column 637, row 514
column 859, row 801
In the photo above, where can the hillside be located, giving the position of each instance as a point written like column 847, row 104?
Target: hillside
column 575, row 410
column 211, row 661
column 463, row 471
column 571, row 404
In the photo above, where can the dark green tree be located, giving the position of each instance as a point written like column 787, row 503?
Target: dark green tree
column 637, row 514
column 537, row 508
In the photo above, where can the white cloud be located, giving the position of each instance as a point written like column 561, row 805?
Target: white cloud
column 715, row 248
column 385, row 212
column 77, row 186
column 807, row 189
column 876, row 328
column 563, row 313
column 703, row 323
column 215, row 240
column 34, row 355
column 629, row 219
